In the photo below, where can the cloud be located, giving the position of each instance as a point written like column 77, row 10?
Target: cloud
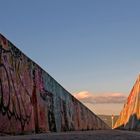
column 87, row 97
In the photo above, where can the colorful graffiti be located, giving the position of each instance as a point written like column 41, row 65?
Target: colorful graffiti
column 129, row 118
column 31, row 100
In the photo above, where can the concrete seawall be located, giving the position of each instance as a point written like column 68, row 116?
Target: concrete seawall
column 129, row 118
column 32, row 101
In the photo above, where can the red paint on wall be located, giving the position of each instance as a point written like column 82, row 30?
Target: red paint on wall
column 31, row 100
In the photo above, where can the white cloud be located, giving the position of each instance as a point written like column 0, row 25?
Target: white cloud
column 87, row 97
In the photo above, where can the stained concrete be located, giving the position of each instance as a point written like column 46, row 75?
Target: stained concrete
column 33, row 101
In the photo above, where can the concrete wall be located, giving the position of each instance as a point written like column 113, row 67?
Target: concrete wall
column 32, row 101
column 129, row 118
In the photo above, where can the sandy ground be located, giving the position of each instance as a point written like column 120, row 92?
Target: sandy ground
column 81, row 135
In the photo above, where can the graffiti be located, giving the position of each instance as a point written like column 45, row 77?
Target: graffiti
column 12, row 103
column 129, row 118
column 31, row 100
column 64, row 120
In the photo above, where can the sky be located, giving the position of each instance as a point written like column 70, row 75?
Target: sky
column 90, row 47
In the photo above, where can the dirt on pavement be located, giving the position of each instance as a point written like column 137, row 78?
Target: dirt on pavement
column 80, row 135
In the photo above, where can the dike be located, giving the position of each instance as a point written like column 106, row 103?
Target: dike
column 31, row 101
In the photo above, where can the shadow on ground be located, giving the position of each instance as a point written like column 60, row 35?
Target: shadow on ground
column 81, row 135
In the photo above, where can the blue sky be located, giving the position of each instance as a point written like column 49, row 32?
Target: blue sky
column 91, row 45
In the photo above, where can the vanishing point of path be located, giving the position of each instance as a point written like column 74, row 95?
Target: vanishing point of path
column 81, row 135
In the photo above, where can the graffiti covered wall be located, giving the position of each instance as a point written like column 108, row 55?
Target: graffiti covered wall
column 32, row 101
column 129, row 118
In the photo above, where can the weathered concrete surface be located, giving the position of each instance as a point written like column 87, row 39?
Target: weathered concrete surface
column 81, row 135
column 129, row 118
column 32, row 101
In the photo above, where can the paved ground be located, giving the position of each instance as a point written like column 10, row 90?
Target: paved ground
column 86, row 135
